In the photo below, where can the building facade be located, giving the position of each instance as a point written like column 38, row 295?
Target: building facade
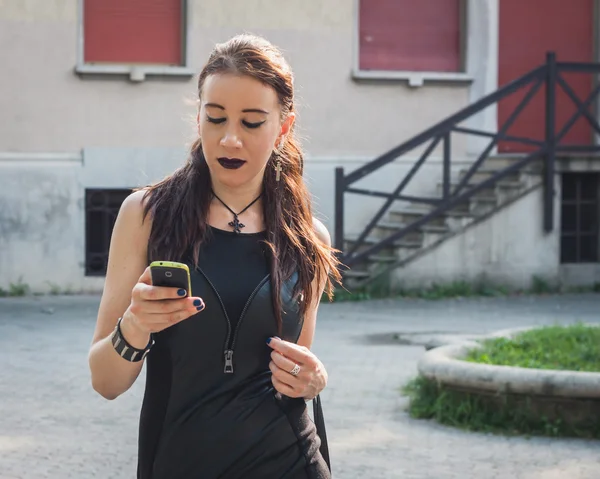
column 98, row 97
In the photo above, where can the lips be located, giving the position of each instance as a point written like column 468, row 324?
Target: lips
column 231, row 163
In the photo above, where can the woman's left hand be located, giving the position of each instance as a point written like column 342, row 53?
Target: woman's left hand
column 297, row 372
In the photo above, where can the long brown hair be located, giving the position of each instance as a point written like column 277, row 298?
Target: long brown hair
column 186, row 194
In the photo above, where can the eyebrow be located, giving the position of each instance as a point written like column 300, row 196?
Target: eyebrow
column 247, row 110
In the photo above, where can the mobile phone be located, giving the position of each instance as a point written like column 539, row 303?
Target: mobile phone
column 171, row 274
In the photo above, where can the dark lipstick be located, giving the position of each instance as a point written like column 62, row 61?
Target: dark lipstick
column 231, row 163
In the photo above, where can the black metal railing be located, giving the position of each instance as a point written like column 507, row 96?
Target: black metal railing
column 550, row 75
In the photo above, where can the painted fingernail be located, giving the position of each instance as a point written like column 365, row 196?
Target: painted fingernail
column 181, row 292
column 269, row 340
column 197, row 302
column 200, row 308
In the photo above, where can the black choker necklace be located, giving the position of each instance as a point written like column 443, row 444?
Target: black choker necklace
column 235, row 224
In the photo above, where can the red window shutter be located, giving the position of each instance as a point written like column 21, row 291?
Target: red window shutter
column 412, row 35
column 133, row 31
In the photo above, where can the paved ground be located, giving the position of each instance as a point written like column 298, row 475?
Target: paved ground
column 52, row 425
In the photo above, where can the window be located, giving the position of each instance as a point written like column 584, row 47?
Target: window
column 411, row 36
column 101, row 209
column 133, row 36
column 580, row 210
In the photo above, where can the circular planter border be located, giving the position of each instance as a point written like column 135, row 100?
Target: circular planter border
column 444, row 365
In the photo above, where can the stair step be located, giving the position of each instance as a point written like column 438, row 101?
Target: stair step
column 484, row 173
column 501, row 184
column 485, row 199
column 383, row 258
column 371, row 240
column 435, row 229
column 357, row 274
column 501, row 161
column 454, row 213
column 420, row 212
column 412, row 210
column 427, row 228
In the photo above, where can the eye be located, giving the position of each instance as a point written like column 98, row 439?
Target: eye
column 216, row 121
column 247, row 124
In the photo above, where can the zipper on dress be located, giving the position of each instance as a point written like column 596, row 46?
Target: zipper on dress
column 243, row 313
column 228, row 359
column 230, row 350
column 228, row 353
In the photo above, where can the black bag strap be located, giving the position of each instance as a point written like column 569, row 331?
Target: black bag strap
column 320, row 425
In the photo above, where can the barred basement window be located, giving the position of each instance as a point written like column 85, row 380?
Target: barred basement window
column 579, row 218
column 101, row 209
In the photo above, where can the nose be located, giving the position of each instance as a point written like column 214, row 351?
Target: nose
column 231, row 139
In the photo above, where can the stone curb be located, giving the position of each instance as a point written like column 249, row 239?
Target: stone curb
column 443, row 364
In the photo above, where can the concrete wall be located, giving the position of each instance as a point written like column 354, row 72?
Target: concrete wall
column 53, row 109
column 61, row 133
column 42, row 236
column 42, row 210
column 508, row 249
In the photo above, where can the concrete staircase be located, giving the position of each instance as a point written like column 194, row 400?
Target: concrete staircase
column 439, row 229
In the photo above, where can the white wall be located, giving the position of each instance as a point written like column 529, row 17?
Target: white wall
column 510, row 248
column 42, row 235
column 132, row 133
column 42, row 210
column 51, row 109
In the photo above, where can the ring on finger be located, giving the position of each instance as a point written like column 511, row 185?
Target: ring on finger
column 295, row 371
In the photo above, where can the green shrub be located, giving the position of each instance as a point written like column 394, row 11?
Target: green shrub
column 501, row 414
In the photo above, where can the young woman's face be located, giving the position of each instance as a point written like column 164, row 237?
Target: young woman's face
column 240, row 124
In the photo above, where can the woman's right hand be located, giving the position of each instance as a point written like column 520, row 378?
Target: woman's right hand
column 154, row 308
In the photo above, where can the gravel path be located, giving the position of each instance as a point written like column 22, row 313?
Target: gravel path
column 53, row 425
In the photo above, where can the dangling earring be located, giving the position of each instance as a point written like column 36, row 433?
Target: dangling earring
column 278, row 165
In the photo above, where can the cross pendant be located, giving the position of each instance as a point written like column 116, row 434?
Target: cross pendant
column 278, row 170
column 236, row 225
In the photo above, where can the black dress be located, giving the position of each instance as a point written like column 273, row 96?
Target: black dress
column 210, row 409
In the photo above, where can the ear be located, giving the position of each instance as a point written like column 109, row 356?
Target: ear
column 286, row 126
column 198, row 122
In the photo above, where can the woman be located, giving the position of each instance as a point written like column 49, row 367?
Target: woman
column 225, row 397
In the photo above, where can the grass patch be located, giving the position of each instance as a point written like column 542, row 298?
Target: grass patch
column 541, row 286
column 574, row 348
column 55, row 289
column 378, row 289
column 16, row 289
column 455, row 289
column 23, row 289
column 381, row 289
column 502, row 414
